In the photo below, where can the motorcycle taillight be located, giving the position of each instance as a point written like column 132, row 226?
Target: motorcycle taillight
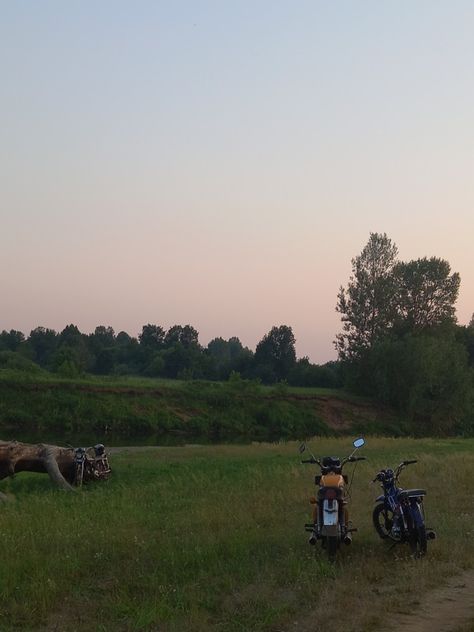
column 330, row 494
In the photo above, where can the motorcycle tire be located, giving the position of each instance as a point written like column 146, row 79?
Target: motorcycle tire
column 332, row 546
column 417, row 538
column 78, row 475
column 382, row 519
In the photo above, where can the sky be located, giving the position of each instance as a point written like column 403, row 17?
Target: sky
column 220, row 163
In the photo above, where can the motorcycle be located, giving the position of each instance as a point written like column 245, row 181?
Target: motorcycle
column 399, row 515
column 330, row 517
column 90, row 466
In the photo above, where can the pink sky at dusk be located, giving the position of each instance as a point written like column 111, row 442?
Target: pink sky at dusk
column 220, row 166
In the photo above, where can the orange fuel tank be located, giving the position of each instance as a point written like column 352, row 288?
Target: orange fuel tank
column 332, row 480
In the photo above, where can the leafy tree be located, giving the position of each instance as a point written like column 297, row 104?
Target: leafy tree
column 104, row 336
column 187, row 336
column 129, row 357
column 102, row 347
column 156, row 365
column 66, row 362
column 72, row 354
column 43, row 342
column 183, row 362
column 424, row 376
column 17, row 362
column 275, row 354
column 465, row 335
column 226, row 356
column 426, row 293
column 367, row 305
column 11, row 340
column 306, row 374
column 152, row 337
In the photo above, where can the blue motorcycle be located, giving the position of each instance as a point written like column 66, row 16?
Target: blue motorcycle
column 399, row 515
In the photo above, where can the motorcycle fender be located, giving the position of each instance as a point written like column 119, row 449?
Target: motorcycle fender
column 417, row 514
column 380, row 499
column 330, row 530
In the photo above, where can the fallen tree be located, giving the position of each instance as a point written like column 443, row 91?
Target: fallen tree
column 58, row 462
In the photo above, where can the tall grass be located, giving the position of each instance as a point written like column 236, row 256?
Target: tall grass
column 211, row 538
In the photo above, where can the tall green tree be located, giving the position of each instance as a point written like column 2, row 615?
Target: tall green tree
column 152, row 337
column 424, row 376
column 227, row 356
column 102, row 347
column 275, row 354
column 43, row 343
column 367, row 306
column 426, row 293
column 72, row 355
column 11, row 340
column 187, row 336
column 129, row 354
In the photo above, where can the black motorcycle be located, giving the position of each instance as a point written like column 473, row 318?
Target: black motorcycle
column 399, row 515
column 90, row 464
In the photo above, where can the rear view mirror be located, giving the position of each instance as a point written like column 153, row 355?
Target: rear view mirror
column 358, row 443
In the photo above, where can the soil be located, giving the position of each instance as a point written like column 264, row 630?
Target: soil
column 449, row 608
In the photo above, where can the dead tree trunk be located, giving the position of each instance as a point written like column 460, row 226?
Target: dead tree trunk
column 26, row 457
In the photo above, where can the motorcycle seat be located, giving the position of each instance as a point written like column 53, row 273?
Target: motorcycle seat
column 410, row 493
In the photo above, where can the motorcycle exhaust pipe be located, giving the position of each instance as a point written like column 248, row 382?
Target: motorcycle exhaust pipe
column 431, row 535
column 348, row 538
column 313, row 539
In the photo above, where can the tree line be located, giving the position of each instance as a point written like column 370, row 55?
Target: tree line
column 400, row 342
column 174, row 353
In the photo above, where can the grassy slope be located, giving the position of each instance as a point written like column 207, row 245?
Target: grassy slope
column 211, row 538
column 40, row 405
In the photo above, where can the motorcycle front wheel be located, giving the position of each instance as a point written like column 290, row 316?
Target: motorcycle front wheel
column 78, row 474
column 382, row 519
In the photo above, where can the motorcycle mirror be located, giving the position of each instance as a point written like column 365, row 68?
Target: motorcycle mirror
column 302, row 448
column 358, row 443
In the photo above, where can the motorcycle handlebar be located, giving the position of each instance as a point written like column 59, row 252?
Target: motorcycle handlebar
column 351, row 459
column 410, row 462
column 308, row 461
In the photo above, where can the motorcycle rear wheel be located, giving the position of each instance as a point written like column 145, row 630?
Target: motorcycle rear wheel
column 417, row 538
column 332, row 543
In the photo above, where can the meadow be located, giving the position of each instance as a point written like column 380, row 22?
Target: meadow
column 211, row 538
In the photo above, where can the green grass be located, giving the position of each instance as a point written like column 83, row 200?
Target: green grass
column 211, row 538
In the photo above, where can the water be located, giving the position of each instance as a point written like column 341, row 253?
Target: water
column 112, row 440
column 89, row 439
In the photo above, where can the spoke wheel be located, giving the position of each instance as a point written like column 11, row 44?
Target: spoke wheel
column 382, row 519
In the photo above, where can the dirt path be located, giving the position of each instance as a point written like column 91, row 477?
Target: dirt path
column 446, row 609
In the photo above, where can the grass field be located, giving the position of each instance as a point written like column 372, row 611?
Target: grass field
column 211, row 538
